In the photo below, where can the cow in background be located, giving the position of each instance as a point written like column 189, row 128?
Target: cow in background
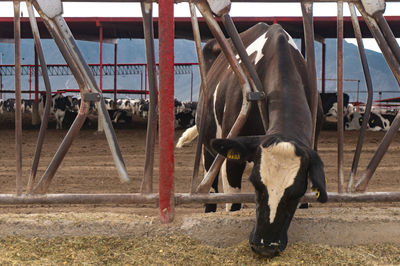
column 329, row 105
column 283, row 156
column 59, row 106
column 1, row 106
column 377, row 121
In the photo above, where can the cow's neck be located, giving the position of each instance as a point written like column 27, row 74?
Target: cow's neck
column 290, row 119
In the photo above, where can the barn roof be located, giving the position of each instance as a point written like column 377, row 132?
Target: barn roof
column 122, row 27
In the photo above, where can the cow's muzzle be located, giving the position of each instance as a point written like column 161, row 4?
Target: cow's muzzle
column 270, row 251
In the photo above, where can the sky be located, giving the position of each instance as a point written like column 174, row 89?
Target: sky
column 182, row 10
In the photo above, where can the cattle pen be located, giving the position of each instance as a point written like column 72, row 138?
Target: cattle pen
column 166, row 198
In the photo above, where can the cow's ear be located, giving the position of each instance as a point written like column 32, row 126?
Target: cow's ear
column 239, row 149
column 317, row 176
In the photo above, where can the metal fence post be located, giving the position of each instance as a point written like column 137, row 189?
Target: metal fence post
column 166, row 107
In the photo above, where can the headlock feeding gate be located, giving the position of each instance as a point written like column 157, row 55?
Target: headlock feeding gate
column 51, row 12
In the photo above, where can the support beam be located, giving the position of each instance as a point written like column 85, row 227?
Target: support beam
column 340, row 129
column 166, row 110
column 18, row 115
column 35, row 110
column 323, row 67
column 182, row 198
column 115, row 71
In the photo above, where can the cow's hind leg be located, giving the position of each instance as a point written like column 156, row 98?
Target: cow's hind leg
column 208, row 160
column 232, row 181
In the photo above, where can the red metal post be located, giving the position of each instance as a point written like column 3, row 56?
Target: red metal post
column 115, row 72
column 323, row 65
column 145, row 82
column 191, row 85
column 36, row 78
column 101, row 56
column 30, row 82
column 166, row 110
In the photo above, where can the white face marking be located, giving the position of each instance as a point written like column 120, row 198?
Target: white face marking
column 278, row 169
column 291, row 42
column 219, row 130
column 257, row 47
column 226, row 187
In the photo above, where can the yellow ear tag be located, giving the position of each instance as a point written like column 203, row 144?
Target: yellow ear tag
column 316, row 190
column 233, row 155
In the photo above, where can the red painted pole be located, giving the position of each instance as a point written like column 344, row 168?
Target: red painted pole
column 30, row 82
column 166, row 110
column 36, row 78
column 115, row 72
column 101, row 57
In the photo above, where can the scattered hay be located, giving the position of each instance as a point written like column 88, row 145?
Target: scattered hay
column 179, row 250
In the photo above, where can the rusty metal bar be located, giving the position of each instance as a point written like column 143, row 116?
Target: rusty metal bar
column 83, row 87
column 390, row 38
column 166, row 108
column 88, row 75
column 323, row 66
column 202, row 95
column 381, row 41
column 184, row 1
column 366, row 176
column 147, row 182
column 362, row 183
column 340, row 130
column 367, row 75
column 18, row 114
column 45, row 181
column 204, row 9
column 52, row 15
column 308, row 25
column 45, row 118
column 183, row 198
column 248, row 66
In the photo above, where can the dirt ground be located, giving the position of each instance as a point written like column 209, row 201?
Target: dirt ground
column 88, row 168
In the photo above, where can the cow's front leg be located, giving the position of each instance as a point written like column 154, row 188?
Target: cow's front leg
column 232, row 181
column 208, row 160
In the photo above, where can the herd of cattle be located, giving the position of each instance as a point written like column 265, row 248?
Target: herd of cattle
column 64, row 109
column 379, row 120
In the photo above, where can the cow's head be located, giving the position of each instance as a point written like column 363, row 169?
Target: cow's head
column 280, row 177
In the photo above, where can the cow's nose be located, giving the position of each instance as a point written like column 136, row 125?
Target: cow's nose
column 266, row 251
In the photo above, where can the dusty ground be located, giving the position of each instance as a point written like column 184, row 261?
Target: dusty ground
column 88, row 168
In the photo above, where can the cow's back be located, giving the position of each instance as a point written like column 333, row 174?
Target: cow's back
column 224, row 92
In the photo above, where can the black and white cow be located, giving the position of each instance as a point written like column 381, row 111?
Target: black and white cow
column 329, row 105
column 28, row 105
column 9, row 105
column 59, row 106
column 185, row 114
column 377, row 121
column 283, row 158
column 1, row 106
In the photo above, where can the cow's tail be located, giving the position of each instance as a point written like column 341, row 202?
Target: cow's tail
column 187, row 137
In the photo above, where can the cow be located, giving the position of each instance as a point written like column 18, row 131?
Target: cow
column 329, row 105
column 185, row 113
column 9, row 105
column 184, row 119
column 144, row 108
column 59, row 106
column 376, row 122
column 283, row 158
column 1, row 106
column 28, row 105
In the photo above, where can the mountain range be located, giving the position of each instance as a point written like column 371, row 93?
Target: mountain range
column 133, row 51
